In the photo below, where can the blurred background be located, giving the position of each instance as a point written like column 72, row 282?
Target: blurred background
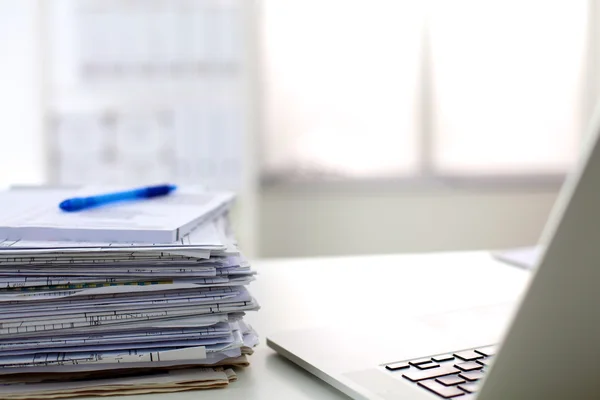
column 346, row 126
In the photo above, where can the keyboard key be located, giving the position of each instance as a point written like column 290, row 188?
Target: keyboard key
column 446, row 392
column 397, row 366
column 487, row 351
column 450, row 380
column 442, row 358
column 428, row 365
column 468, row 355
column 468, row 366
column 472, row 375
column 419, row 362
column 486, row 362
column 469, row 387
column 419, row 375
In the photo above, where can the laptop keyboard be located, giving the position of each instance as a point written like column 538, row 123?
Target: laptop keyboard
column 447, row 375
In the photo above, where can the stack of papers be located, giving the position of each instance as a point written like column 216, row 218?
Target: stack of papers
column 83, row 318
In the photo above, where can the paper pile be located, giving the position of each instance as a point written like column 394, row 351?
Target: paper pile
column 105, row 318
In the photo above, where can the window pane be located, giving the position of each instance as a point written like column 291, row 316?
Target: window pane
column 507, row 78
column 340, row 86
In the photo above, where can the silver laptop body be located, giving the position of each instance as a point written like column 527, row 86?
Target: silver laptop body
column 546, row 347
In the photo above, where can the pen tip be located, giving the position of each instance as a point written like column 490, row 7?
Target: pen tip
column 65, row 205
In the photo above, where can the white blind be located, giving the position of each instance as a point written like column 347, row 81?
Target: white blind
column 507, row 84
column 341, row 79
column 356, row 89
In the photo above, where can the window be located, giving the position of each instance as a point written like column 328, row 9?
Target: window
column 376, row 88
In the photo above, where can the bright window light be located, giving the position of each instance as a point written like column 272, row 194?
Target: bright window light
column 507, row 79
column 341, row 84
column 345, row 86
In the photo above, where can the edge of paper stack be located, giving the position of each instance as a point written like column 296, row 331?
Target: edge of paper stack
column 98, row 319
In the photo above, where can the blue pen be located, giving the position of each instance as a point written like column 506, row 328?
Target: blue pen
column 81, row 203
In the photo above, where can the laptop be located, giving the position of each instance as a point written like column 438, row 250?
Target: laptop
column 548, row 347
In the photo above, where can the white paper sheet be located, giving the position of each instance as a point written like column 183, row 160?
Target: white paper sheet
column 116, row 338
column 91, row 322
column 250, row 339
column 203, row 237
column 163, row 382
column 102, row 291
column 193, row 321
column 35, row 216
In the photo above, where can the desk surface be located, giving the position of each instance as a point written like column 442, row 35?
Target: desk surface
column 291, row 291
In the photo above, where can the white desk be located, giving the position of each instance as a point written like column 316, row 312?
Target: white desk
column 289, row 293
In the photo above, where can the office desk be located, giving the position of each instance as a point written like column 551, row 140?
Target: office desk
column 300, row 293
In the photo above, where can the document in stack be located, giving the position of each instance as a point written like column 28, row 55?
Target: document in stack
column 162, row 381
column 35, row 215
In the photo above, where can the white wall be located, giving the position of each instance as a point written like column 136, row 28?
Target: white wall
column 296, row 222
